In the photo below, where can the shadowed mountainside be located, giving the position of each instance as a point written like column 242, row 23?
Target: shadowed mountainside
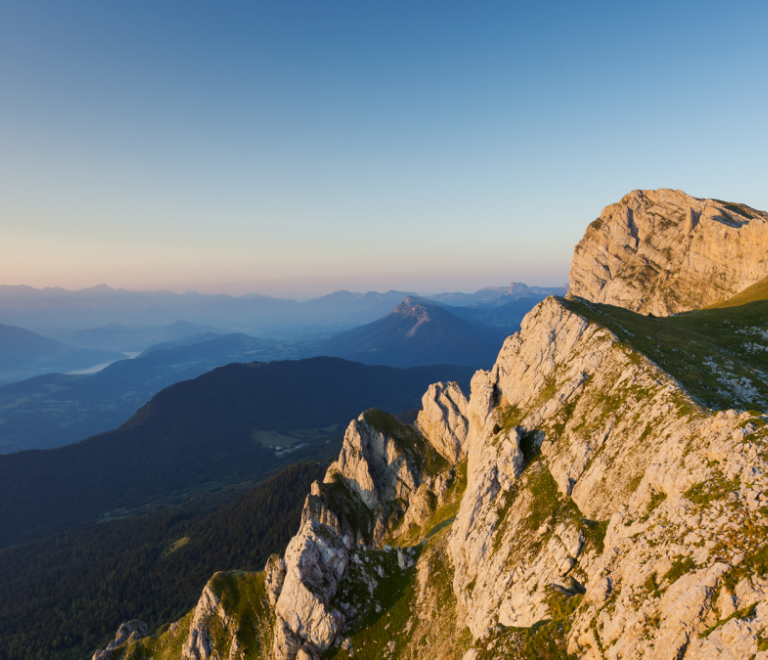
column 218, row 429
column 419, row 332
column 66, row 593
column 57, row 409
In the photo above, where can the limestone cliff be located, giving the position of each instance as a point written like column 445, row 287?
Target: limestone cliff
column 662, row 252
column 634, row 518
column 597, row 510
column 442, row 419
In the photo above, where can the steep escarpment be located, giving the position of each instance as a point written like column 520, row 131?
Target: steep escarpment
column 588, row 500
column 662, row 252
column 631, row 525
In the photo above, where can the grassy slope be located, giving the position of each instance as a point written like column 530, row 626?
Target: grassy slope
column 718, row 355
column 755, row 293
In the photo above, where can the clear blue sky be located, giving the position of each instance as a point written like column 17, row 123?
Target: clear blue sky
column 294, row 148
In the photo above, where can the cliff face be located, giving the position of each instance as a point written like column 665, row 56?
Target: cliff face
column 636, row 518
column 580, row 501
column 662, row 252
column 602, row 494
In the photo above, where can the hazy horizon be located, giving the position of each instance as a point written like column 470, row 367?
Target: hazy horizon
column 299, row 297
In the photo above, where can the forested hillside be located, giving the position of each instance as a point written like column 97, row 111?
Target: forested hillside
column 61, row 596
column 218, row 430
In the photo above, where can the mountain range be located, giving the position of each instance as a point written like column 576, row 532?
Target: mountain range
column 599, row 494
column 54, row 410
column 131, row 320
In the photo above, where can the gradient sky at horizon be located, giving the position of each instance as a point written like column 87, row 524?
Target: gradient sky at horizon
column 295, row 148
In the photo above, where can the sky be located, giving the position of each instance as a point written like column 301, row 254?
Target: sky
column 295, row 148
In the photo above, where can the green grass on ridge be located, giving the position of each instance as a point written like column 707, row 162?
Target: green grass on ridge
column 720, row 356
column 756, row 292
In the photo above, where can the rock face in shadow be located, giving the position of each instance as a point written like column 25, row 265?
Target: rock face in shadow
column 663, row 252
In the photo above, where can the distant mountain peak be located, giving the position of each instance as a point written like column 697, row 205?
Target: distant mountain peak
column 413, row 302
column 417, row 331
column 416, row 309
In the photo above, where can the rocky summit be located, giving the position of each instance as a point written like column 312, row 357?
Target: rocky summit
column 663, row 252
column 602, row 493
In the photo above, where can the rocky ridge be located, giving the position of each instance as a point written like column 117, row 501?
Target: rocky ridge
column 663, row 252
column 586, row 501
column 603, row 511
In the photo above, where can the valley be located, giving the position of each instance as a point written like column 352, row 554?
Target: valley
column 53, row 410
column 198, row 435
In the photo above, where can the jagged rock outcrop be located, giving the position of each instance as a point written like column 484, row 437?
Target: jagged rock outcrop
column 620, row 443
column 662, row 252
column 127, row 632
column 316, row 560
column 379, row 470
column 198, row 644
column 443, row 419
column 374, row 464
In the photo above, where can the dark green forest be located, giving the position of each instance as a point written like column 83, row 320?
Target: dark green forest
column 64, row 596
